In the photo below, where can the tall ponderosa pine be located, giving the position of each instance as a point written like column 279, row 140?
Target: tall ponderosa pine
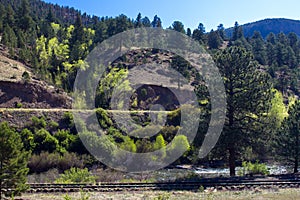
column 214, row 40
column 156, row 23
column 258, row 47
column 237, row 32
column 77, row 39
column 248, row 97
column 199, row 33
column 138, row 21
column 13, row 162
column 287, row 143
column 178, row 26
column 24, row 20
column 221, row 31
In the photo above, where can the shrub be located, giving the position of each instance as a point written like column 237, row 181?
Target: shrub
column 163, row 196
column 45, row 142
column 46, row 161
column 76, row 175
column 53, row 125
column 43, row 162
column 26, row 76
column 18, row 105
column 68, row 120
column 38, row 123
column 249, row 168
column 64, row 139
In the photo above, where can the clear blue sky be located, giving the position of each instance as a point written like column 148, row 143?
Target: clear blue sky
column 191, row 12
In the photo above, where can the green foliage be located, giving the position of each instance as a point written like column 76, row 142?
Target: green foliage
column 26, row 76
column 64, row 139
column 28, row 139
column 178, row 26
column 44, row 141
column 287, row 142
column 128, row 144
column 38, row 123
column 13, row 162
column 68, row 120
column 18, row 105
column 67, row 197
column 179, row 144
column 249, row 168
column 163, row 196
column 201, row 189
column 278, row 110
column 83, row 196
column 248, row 92
column 214, row 40
column 76, row 175
column 160, row 144
column 53, row 125
column 103, row 118
column 112, row 80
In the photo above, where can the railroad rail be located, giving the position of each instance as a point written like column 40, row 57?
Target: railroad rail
column 167, row 186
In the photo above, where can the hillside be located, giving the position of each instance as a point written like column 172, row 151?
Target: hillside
column 29, row 93
column 267, row 26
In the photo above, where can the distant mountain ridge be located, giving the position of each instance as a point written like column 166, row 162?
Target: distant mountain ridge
column 266, row 26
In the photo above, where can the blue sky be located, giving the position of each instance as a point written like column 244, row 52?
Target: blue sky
column 191, row 12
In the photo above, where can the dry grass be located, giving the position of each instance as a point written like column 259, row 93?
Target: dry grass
column 284, row 194
column 11, row 70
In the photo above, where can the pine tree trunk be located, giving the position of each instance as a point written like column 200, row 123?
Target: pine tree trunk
column 232, row 160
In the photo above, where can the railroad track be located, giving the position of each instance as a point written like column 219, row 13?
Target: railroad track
column 112, row 187
column 11, row 110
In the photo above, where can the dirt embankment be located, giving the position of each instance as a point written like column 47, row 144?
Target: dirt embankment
column 33, row 94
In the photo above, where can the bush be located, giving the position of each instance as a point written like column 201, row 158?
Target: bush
column 38, row 123
column 53, row 125
column 76, row 175
column 163, row 196
column 64, row 139
column 43, row 162
column 46, row 161
column 18, row 105
column 44, row 141
column 249, row 168
column 26, row 76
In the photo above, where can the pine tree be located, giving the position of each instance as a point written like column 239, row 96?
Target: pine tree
column 214, row 40
column 24, row 20
column 199, row 33
column 138, row 21
column 258, row 47
column 13, row 162
column 10, row 16
column 178, row 26
column 188, row 32
column 78, row 34
column 2, row 16
column 248, row 96
column 146, row 22
column 287, row 143
column 221, row 31
column 156, row 23
column 271, row 38
column 235, row 32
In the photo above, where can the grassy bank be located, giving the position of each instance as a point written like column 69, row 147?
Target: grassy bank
column 281, row 194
